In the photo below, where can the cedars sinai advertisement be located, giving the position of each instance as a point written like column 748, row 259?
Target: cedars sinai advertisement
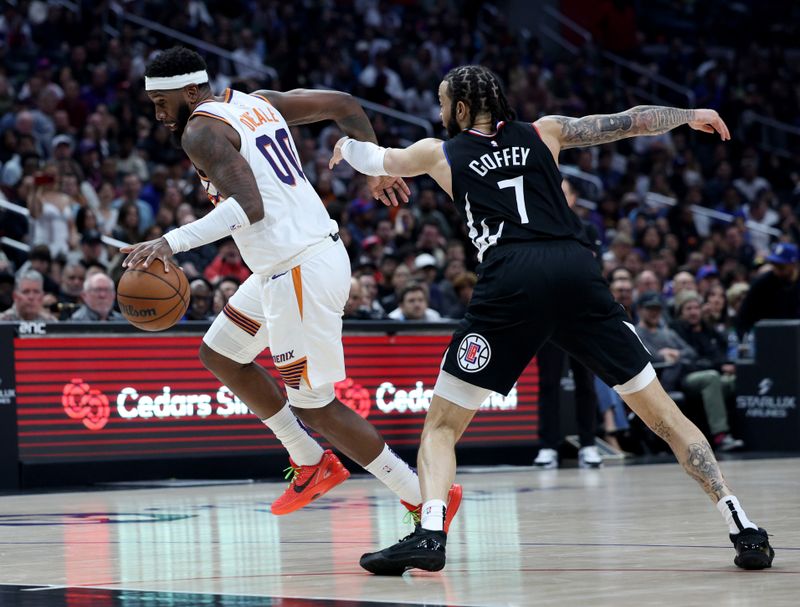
column 120, row 397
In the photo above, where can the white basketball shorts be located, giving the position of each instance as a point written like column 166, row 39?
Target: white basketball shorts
column 296, row 314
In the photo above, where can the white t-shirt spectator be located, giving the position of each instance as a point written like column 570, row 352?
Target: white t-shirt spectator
column 431, row 315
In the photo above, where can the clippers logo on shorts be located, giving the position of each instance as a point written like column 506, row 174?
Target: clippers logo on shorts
column 86, row 404
column 474, row 353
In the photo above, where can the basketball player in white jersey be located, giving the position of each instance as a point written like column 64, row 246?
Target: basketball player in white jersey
column 247, row 161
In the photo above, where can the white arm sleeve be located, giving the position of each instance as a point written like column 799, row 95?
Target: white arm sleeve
column 227, row 217
column 364, row 156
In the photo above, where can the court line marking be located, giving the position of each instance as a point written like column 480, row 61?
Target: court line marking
column 356, row 542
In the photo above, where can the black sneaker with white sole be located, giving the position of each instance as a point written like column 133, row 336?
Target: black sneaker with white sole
column 422, row 549
column 752, row 549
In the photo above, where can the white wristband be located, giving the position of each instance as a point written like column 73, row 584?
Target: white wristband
column 364, row 156
column 227, row 217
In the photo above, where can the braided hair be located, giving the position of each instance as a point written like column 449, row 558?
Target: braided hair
column 481, row 90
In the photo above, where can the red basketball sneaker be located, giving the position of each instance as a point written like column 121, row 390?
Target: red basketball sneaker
column 309, row 482
column 453, row 502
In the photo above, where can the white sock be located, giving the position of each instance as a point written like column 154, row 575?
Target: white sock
column 733, row 513
column 303, row 449
column 433, row 515
column 396, row 474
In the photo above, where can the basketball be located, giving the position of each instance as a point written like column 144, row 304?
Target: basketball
column 151, row 299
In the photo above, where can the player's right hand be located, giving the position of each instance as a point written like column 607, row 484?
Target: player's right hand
column 146, row 252
column 709, row 121
column 337, row 153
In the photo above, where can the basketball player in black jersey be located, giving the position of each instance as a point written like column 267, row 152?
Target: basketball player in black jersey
column 538, row 281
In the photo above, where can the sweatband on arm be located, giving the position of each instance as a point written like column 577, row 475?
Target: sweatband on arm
column 364, row 156
column 226, row 218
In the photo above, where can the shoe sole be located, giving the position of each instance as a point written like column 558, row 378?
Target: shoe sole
column 753, row 560
column 318, row 490
column 375, row 563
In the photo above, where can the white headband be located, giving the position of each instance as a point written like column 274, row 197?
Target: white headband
column 171, row 83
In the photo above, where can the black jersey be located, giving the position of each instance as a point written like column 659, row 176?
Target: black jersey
column 508, row 187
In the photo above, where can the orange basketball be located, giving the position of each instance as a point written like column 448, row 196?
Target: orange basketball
column 151, row 299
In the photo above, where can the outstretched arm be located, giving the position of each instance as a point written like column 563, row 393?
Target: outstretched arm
column 561, row 132
column 423, row 157
column 304, row 106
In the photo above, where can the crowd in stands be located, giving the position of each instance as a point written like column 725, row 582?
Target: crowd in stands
column 83, row 153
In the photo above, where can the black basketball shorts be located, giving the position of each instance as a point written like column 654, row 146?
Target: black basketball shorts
column 529, row 293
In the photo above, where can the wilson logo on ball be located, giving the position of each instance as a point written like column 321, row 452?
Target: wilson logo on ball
column 86, row 404
column 134, row 312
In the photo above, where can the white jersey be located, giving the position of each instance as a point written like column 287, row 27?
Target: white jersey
column 294, row 216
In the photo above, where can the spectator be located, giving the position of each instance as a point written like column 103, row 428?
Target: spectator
column 551, row 361
column 69, row 298
column 201, row 300
column 92, row 252
column 41, row 260
column 750, row 184
column 774, row 294
column 128, row 222
column 760, row 218
column 413, row 305
column 425, row 272
column 28, row 299
column 622, row 291
column 709, row 344
column 684, row 371
column 106, row 214
column 369, row 293
column 227, row 286
column 98, row 298
column 463, row 286
column 131, row 189
column 249, row 56
column 735, row 296
column 400, row 279
column 51, row 212
column 352, row 307
column 715, row 308
column 228, row 262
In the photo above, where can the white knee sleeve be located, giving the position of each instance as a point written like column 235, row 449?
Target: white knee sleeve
column 459, row 392
column 305, row 398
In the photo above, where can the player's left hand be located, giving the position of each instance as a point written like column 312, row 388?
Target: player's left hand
column 387, row 189
column 709, row 121
column 146, row 252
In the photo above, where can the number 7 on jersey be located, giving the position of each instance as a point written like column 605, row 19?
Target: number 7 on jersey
column 519, row 194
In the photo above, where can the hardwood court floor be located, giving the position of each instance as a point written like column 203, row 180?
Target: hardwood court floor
column 621, row 536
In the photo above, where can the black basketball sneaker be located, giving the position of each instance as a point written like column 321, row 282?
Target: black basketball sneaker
column 752, row 549
column 423, row 549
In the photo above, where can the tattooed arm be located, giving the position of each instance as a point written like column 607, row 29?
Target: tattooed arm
column 213, row 147
column 561, row 132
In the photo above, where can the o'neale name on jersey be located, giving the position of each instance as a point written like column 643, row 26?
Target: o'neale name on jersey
column 513, row 156
column 257, row 118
